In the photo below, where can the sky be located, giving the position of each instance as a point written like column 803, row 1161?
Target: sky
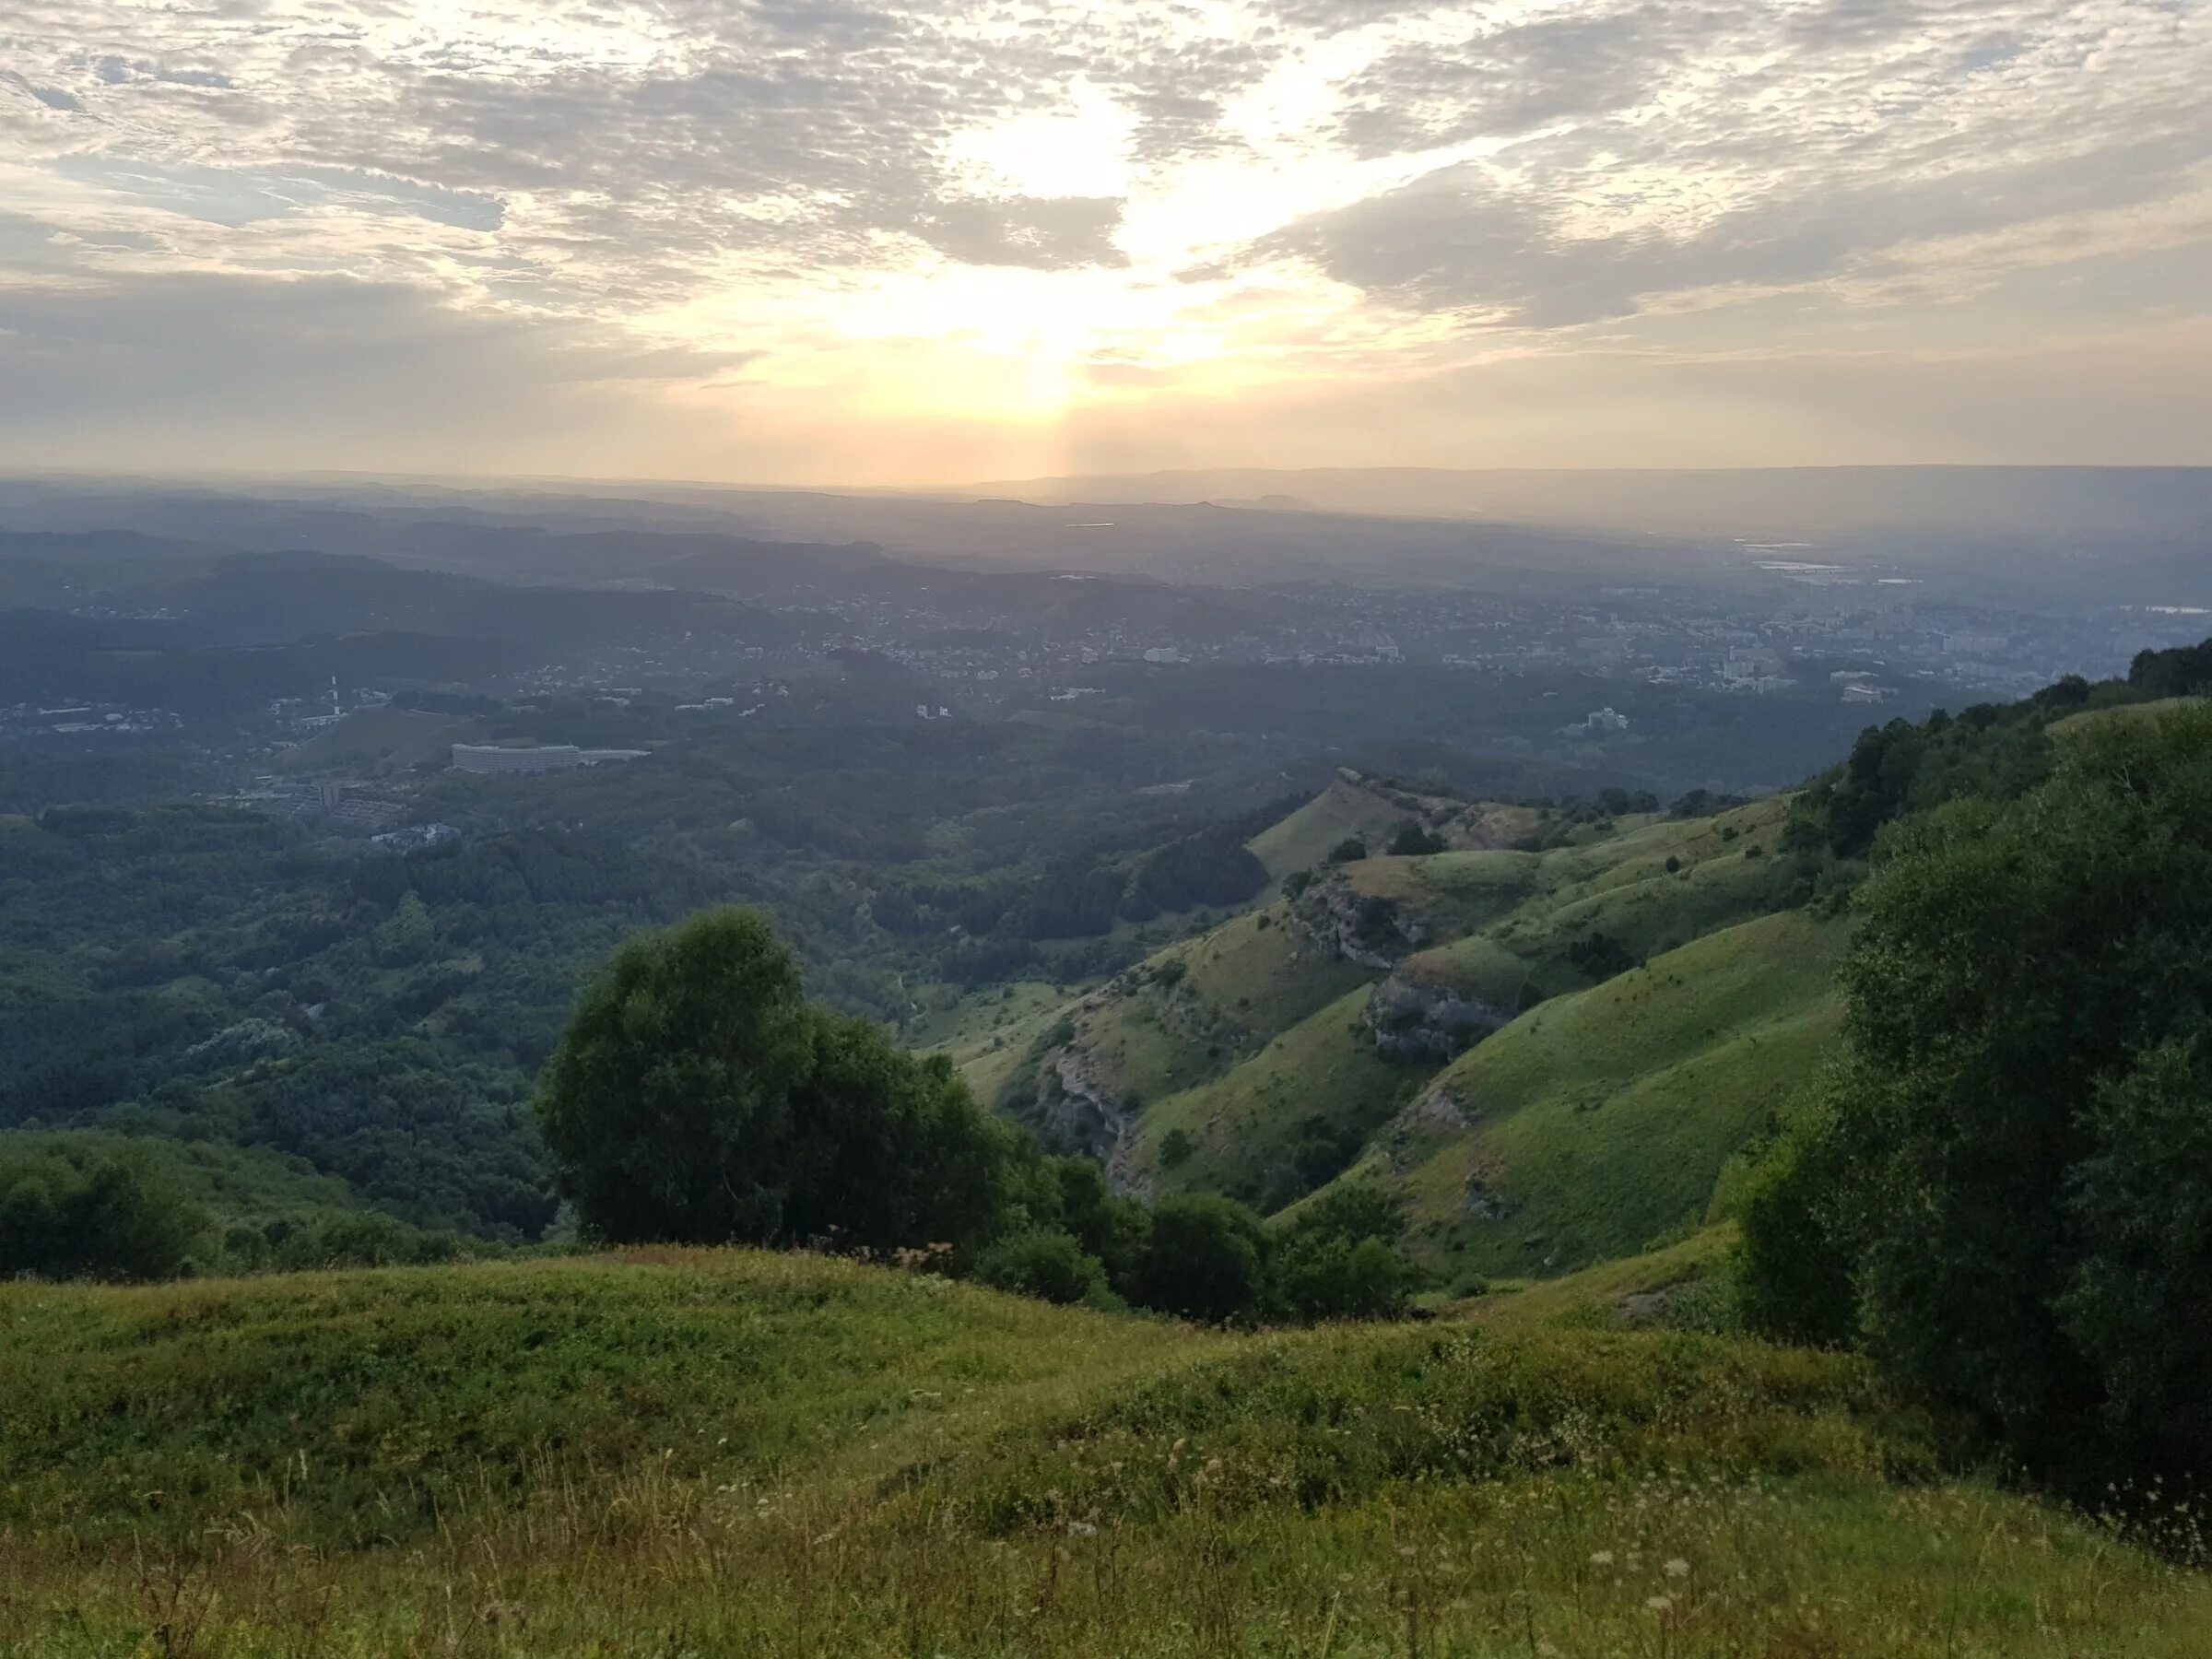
column 844, row 241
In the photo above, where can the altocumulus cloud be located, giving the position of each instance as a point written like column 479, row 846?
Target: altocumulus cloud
column 243, row 204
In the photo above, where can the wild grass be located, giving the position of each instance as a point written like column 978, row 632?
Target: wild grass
column 724, row 1452
column 1244, row 1127
column 687, row 1452
column 1303, row 839
column 1222, row 998
column 1598, row 1121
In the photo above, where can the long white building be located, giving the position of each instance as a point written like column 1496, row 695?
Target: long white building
column 493, row 758
column 546, row 758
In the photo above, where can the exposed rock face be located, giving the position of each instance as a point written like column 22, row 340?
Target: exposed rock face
column 1083, row 1111
column 1437, row 1107
column 1436, row 1111
column 1078, row 1108
column 1414, row 1021
column 1356, row 927
column 248, row 1039
column 1485, row 1204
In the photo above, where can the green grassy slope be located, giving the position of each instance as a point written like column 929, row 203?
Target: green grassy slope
column 383, row 739
column 1373, row 810
column 722, row 1453
column 2089, row 719
column 1189, row 1012
column 1318, row 1081
column 1252, row 1046
column 989, row 1036
column 1600, row 1120
column 1536, row 905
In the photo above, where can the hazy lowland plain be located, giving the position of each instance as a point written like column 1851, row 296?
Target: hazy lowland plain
column 1303, row 1064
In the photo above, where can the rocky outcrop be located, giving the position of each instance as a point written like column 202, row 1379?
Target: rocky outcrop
column 1077, row 1109
column 1484, row 1203
column 1437, row 1111
column 1358, row 927
column 1414, row 1021
column 1080, row 1109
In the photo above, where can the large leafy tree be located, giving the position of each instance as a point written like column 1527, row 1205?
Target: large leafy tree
column 699, row 1097
column 2018, row 1171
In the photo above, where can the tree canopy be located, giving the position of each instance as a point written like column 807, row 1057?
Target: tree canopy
column 698, row 1096
column 2015, row 1172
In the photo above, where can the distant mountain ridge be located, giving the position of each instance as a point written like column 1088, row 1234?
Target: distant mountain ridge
column 1723, row 502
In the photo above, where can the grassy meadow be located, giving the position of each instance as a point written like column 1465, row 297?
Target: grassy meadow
column 676, row 1452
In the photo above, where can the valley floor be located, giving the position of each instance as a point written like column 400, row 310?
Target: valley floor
column 724, row 1452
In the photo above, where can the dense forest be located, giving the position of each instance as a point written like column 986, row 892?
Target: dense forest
column 192, row 972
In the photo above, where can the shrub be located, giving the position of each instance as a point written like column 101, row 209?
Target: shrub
column 1175, row 1150
column 1206, row 1259
column 1051, row 1266
column 1113, row 1230
column 1794, row 1272
column 368, row 1240
column 2020, row 1174
column 1350, row 850
column 80, row 1214
column 1412, row 841
column 1339, row 1258
column 1601, row 956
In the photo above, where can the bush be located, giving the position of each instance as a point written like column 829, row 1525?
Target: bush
column 368, row 1240
column 1411, row 842
column 1050, row 1266
column 1603, row 957
column 1116, row 1231
column 1206, row 1259
column 1175, row 1150
column 1339, row 1259
column 2139, row 1302
column 1793, row 1271
column 80, row 1214
column 1333, row 1278
column 1350, row 850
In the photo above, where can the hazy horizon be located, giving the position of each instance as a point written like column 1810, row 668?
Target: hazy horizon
column 876, row 245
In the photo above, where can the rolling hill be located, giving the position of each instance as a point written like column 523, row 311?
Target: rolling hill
column 1549, row 1048
column 1371, row 811
column 727, row 1451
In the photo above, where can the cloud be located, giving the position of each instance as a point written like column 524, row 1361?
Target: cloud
column 538, row 186
column 215, row 371
column 1503, row 81
column 241, row 196
column 1625, row 157
column 1043, row 234
column 1458, row 240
